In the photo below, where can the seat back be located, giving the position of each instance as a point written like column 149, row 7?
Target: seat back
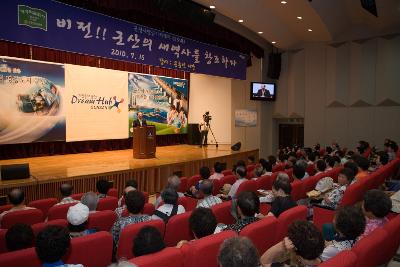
column 183, row 187
column 249, row 185
column 113, row 192
column 353, row 194
column 38, row 227
column 77, row 196
column 229, row 179
column 107, row 203
column 298, row 213
column 289, row 172
column 192, row 181
column 346, row 258
column 261, row 233
column 30, row 216
column 94, row 250
column 20, row 258
column 204, row 251
column 223, row 212
column 5, row 207
column 227, row 172
column 311, row 182
column 369, row 250
column 3, row 245
column 59, row 211
column 44, row 205
column 128, row 234
column 102, row 220
column 216, row 186
column 298, row 191
column 311, row 169
column 265, row 182
column 278, row 167
column 393, row 241
column 172, row 256
column 177, row 229
column 148, row 209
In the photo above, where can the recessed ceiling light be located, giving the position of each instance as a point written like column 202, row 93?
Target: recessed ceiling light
column 273, row 42
column 260, row 32
column 310, row 30
column 299, row 17
column 212, row 7
column 240, row 20
column 283, row 2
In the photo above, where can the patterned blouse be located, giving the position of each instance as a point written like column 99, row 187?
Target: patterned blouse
column 124, row 221
column 335, row 196
column 241, row 223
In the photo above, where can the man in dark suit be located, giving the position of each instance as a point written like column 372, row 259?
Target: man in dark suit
column 263, row 92
column 139, row 122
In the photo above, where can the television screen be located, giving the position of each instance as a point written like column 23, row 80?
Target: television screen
column 263, row 91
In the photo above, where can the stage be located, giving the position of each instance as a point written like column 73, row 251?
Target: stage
column 83, row 170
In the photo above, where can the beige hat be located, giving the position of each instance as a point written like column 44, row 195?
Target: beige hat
column 78, row 214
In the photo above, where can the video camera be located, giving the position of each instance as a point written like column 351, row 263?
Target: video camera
column 207, row 117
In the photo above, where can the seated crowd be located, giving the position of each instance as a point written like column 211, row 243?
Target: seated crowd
column 304, row 244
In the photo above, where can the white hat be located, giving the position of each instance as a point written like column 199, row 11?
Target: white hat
column 78, row 214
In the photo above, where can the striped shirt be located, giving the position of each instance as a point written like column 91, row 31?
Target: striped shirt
column 125, row 221
column 209, row 201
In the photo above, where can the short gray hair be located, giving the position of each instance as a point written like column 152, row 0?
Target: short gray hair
column 90, row 199
column 174, row 182
column 283, row 176
column 238, row 252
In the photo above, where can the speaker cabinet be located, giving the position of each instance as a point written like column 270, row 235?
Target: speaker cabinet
column 193, row 134
column 15, row 171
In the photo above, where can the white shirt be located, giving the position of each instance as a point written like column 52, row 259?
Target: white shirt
column 216, row 176
column 235, row 187
column 203, row 126
column 167, row 209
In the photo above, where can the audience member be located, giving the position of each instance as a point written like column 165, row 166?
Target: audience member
column 251, row 160
column 320, row 166
column 302, row 246
column 375, row 207
column 218, row 168
column 66, row 192
column 202, row 222
column 102, row 187
column 19, row 236
column 170, row 206
column 238, row 252
column 349, row 224
column 382, row 159
column 391, row 148
column 17, row 198
column 121, row 208
column 52, row 244
column 351, row 165
column 281, row 189
column 333, row 198
column 134, row 201
column 299, row 172
column 209, row 200
column 77, row 218
column 363, row 165
column 204, row 175
column 330, row 162
column 173, row 182
column 258, row 172
column 241, row 174
column 272, row 160
column 90, row 199
column 147, row 241
column 129, row 185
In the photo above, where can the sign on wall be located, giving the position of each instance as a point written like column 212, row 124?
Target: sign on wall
column 59, row 26
column 31, row 101
column 245, row 118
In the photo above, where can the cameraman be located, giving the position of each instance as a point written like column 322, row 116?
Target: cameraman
column 203, row 128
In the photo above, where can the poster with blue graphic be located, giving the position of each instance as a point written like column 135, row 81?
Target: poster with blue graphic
column 162, row 100
column 31, row 103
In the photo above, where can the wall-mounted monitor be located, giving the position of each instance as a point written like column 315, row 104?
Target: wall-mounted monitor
column 263, row 91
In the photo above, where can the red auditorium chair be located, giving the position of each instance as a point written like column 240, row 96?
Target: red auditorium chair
column 392, row 242
column 77, row 196
column 148, row 209
column 94, row 250
column 216, row 186
column 44, row 205
column 125, row 243
column 107, row 203
column 265, row 182
column 229, row 179
column 5, row 207
column 346, row 258
column 278, row 167
column 311, row 169
column 172, row 256
column 265, row 208
column 334, row 173
column 38, row 227
column 370, row 249
column 102, row 220
column 251, row 167
column 311, row 182
column 177, row 229
column 189, row 204
column 29, row 217
column 3, row 246
column 59, row 211
column 261, row 233
column 192, row 181
column 183, row 187
column 223, row 212
column 113, row 192
column 287, row 217
column 298, row 191
column 289, row 172
column 227, row 172
column 249, row 185
column 20, row 258
column 204, row 251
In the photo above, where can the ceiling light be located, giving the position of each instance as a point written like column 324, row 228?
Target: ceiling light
column 212, row 7
column 283, row 2
column 273, row 42
column 299, row 17
column 240, row 20
column 260, row 32
column 309, row 30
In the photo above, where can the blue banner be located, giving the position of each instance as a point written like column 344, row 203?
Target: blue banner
column 59, row 26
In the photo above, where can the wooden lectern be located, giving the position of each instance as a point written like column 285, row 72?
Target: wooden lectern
column 144, row 142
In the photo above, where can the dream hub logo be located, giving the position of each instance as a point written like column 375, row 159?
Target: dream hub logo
column 116, row 104
column 97, row 102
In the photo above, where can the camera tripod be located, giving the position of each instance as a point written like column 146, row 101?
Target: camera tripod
column 209, row 127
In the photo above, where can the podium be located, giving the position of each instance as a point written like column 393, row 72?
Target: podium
column 144, row 142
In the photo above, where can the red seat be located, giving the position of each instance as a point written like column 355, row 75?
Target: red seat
column 393, row 241
column 289, row 172
column 223, row 212
column 311, row 169
column 183, row 187
column 44, row 205
column 192, row 181
column 311, row 182
column 177, row 229
column 204, row 251
column 5, row 207
column 298, row 191
column 278, row 167
column 251, row 167
column 3, row 246
column 20, row 258
column 38, row 227
column 59, row 211
column 30, row 216
column 249, row 185
column 229, row 179
column 227, row 172
column 369, row 250
column 265, row 182
column 102, row 220
column 94, row 250
column 261, row 233
column 216, row 186
column 298, row 213
column 265, row 208
column 107, row 203
column 77, row 196
column 346, row 258
column 188, row 203
column 113, row 192
column 148, row 209
column 128, row 234
column 172, row 256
